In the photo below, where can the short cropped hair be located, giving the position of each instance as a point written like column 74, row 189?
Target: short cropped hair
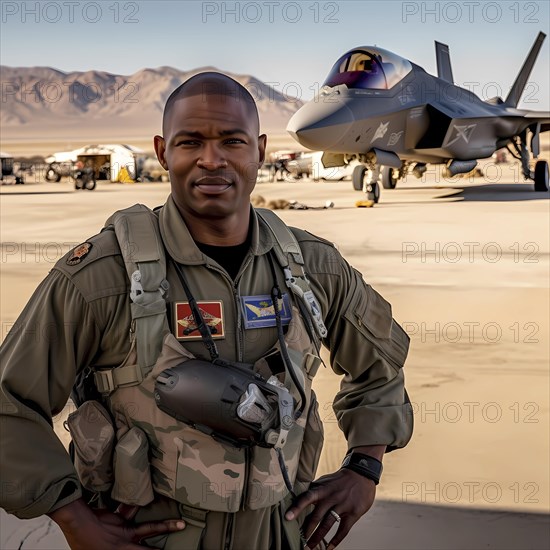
column 211, row 83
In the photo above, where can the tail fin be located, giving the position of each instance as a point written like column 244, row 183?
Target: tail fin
column 521, row 80
column 443, row 58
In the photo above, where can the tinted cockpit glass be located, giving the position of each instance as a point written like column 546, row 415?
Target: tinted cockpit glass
column 371, row 68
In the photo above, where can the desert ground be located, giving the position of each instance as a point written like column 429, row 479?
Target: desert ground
column 465, row 265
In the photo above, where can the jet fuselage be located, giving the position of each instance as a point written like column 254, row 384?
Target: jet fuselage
column 423, row 118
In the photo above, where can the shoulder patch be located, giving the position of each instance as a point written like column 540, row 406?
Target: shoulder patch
column 79, row 253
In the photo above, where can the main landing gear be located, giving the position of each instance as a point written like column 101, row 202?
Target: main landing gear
column 540, row 174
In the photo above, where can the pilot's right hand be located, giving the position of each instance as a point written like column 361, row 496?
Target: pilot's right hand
column 87, row 529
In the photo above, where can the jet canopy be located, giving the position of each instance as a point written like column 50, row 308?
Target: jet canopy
column 368, row 68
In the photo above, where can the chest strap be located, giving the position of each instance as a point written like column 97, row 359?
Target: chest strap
column 288, row 253
column 138, row 235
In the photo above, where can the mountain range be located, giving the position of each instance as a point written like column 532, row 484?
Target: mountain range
column 43, row 103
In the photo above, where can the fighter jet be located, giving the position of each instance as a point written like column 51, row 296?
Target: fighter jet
column 394, row 117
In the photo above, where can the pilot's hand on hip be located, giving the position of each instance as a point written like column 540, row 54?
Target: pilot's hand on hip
column 87, row 529
column 342, row 497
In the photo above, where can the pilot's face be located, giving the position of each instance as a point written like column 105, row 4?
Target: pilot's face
column 212, row 150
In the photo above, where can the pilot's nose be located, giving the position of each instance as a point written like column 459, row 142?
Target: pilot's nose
column 211, row 157
column 321, row 124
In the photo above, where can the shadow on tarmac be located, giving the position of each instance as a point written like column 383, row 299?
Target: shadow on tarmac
column 498, row 192
column 392, row 525
column 490, row 192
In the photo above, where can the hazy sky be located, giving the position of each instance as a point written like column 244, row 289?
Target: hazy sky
column 291, row 45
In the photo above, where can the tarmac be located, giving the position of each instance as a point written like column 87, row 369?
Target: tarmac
column 465, row 265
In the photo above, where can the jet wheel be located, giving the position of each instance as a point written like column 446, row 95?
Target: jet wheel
column 390, row 176
column 373, row 192
column 541, row 176
column 358, row 177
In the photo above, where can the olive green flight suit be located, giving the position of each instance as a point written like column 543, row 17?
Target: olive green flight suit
column 79, row 316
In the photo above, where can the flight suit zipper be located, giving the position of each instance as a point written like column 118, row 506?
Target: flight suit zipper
column 234, row 292
column 244, row 266
column 236, row 295
column 240, row 357
column 240, row 347
column 229, row 532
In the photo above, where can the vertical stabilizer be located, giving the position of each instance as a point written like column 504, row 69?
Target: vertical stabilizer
column 521, row 80
column 443, row 58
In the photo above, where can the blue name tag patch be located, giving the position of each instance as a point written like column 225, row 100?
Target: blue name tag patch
column 258, row 311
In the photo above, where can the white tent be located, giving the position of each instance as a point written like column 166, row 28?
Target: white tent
column 117, row 162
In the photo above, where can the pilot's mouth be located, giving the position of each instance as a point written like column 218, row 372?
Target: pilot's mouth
column 212, row 185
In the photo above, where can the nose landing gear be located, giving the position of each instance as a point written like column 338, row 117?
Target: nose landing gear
column 367, row 181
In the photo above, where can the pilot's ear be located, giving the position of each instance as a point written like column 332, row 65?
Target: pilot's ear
column 262, row 142
column 160, row 150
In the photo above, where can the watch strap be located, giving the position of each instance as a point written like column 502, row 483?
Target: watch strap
column 364, row 465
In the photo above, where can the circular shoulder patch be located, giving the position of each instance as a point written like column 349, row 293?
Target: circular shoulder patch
column 79, row 253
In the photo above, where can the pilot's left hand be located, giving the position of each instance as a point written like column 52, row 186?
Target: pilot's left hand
column 347, row 493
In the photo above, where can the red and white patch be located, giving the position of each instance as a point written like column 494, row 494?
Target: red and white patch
column 185, row 326
column 79, row 253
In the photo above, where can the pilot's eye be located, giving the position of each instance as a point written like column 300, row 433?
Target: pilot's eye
column 181, row 142
column 233, row 141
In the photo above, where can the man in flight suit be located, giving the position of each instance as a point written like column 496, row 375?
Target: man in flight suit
column 212, row 150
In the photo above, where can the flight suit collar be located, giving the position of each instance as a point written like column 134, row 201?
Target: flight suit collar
column 182, row 248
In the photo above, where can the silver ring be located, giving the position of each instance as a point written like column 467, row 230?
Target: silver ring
column 335, row 515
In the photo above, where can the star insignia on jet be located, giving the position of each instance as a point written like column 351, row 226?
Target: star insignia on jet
column 380, row 131
column 464, row 132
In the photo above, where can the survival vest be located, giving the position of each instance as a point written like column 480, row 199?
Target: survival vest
column 140, row 242
column 153, row 452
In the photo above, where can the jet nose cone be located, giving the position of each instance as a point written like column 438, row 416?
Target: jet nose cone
column 321, row 124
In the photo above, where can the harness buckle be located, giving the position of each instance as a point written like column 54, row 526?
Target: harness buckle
column 164, row 286
column 309, row 300
column 136, row 289
column 104, row 381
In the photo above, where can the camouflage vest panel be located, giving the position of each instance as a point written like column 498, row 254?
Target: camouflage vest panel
column 196, row 470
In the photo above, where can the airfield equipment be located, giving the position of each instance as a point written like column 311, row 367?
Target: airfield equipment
column 112, row 162
column 8, row 173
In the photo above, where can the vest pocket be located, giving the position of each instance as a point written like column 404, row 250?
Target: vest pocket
column 371, row 315
column 132, row 474
column 311, row 447
column 93, row 437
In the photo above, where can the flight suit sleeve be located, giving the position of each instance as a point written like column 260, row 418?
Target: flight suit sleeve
column 367, row 346
column 55, row 333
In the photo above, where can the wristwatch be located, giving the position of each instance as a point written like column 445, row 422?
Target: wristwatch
column 365, row 465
